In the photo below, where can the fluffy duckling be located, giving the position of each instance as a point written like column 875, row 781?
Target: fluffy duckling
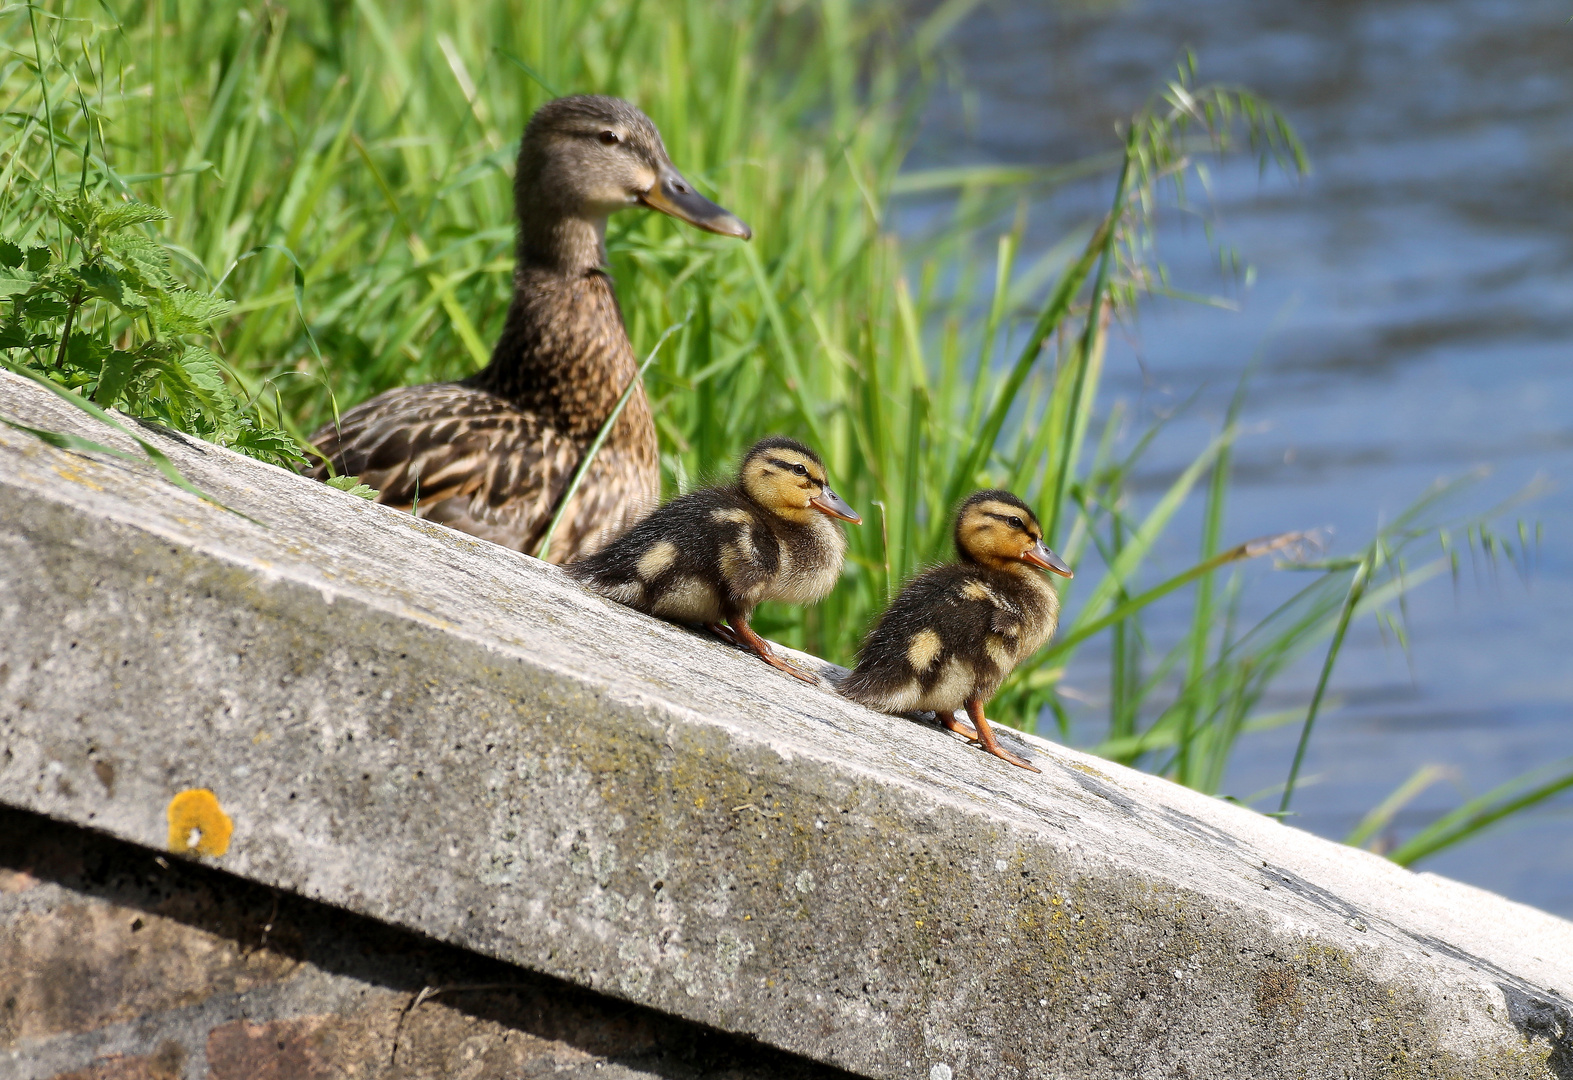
column 956, row 631
column 714, row 555
column 492, row 454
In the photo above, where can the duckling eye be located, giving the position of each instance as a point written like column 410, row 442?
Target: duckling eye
column 610, row 138
column 800, row 469
column 1016, row 523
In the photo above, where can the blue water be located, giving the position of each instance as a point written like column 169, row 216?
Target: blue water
column 1413, row 307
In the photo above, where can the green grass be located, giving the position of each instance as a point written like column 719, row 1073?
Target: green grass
column 340, row 175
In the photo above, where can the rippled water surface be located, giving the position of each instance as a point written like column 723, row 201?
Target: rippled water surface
column 1413, row 303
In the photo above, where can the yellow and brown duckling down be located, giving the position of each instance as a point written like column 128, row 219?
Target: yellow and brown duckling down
column 492, row 454
column 956, row 631
column 714, row 555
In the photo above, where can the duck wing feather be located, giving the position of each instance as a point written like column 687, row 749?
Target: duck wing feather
column 477, row 462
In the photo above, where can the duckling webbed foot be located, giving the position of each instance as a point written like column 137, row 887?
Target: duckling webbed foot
column 746, row 637
column 985, row 737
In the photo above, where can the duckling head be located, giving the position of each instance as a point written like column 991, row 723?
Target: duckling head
column 585, row 157
column 788, row 479
column 998, row 530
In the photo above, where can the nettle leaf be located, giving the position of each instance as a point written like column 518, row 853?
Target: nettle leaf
column 273, row 445
column 353, row 485
column 43, row 306
column 14, row 335
column 205, row 373
column 120, row 215
column 104, row 283
column 77, row 212
column 116, row 374
column 15, row 282
column 38, row 258
column 143, row 257
column 87, row 352
column 10, row 255
column 188, row 310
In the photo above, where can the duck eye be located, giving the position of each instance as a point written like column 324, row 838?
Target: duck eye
column 610, row 138
column 800, row 469
column 1016, row 523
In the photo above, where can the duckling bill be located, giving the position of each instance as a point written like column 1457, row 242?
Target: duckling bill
column 956, row 631
column 712, row 556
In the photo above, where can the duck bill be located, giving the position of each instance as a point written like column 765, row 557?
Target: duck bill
column 1041, row 557
column 675, row 196
column 829, row 503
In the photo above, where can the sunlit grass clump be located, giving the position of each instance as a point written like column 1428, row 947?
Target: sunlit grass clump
column 338, row 175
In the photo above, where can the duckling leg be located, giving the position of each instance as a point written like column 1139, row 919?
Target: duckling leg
column 987, row 740
column 761, row 648
column 950, row 723
column 724, row 632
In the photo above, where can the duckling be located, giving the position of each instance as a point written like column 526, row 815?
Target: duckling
column 714, row 555
column 492, row 454
column 956, row 631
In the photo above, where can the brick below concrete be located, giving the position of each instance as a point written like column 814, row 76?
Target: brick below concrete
column 452, row 738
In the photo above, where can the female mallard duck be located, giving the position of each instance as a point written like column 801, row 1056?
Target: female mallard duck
column 716, row 554
column 956, row 631
column 492, row 454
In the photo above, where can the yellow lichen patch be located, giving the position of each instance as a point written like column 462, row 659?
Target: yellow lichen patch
column 76, row 477
column 197, row 823
column 1090, row 771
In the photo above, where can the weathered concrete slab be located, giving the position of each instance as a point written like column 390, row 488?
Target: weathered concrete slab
column 116, row 964
column 450, row 737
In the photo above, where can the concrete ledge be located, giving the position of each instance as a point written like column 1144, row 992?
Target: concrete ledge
column 451, row 738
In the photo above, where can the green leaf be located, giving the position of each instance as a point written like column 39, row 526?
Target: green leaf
column 205, row 374
column 353, row 485
column 105, row 284
column 37, row 258
column 87, row 352
column 15, row 282
column 188, row 310
column 44, row 307
column 10, row 255
column 13, row 336
column 272, row 445
column 144, row 259
column 113, row 378
column 121, row 215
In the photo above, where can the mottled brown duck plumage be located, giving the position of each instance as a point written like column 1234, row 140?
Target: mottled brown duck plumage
column 956, row 631
column 492, row 454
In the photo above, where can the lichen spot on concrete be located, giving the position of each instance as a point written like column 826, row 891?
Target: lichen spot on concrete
column 198, row 823
column 922, row 649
